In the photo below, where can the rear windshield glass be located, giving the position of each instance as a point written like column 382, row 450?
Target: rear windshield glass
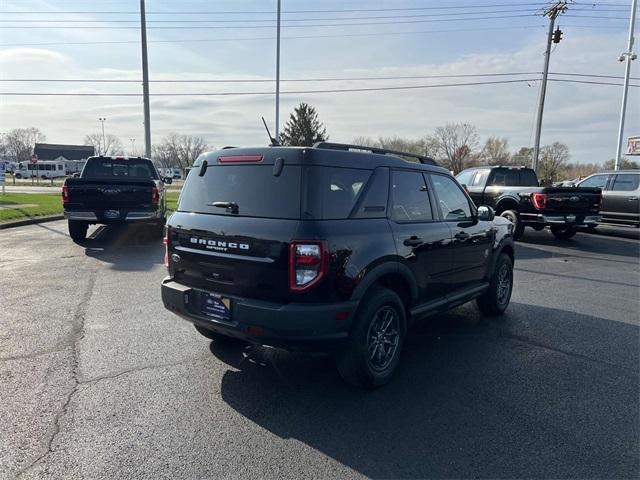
column 107, row 168
column 252, row 188
column 332, row 192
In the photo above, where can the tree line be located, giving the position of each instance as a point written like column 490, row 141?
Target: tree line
column 455, row 146
column 175, row 151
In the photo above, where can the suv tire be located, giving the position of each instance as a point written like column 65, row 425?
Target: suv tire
column 219, row 338
column 564, row 232
column 375, row 342
column 514, row 217
column 77, row 230
column 496, row 300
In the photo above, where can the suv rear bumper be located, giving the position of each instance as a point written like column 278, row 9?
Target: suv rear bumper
column 292, row 326
column 560, row 219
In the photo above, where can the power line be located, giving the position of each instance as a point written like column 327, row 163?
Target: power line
column 270, row 12
column 269, row 80
column 319, row 79
column 300, row 92
column 496, row 17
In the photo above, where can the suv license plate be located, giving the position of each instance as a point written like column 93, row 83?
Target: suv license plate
column 216, row 306
column 571, row 218
column 111, row 214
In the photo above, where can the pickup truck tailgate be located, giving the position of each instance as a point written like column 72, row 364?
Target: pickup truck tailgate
column 573, row 199
column 94, row 194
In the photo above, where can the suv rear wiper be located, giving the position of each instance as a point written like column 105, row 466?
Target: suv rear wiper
column 231, row 206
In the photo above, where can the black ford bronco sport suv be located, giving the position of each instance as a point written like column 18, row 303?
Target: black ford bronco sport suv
column 334, row 248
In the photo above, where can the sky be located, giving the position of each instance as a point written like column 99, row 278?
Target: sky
column 445, row 42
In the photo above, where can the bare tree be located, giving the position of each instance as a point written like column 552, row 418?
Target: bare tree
column 453, row 145
column 553, row 157
column 495, row 152
column 179, row 151
column 522, row 156
column 395, row 142
column 111, row 145
column 19, row 142
column 625, row 164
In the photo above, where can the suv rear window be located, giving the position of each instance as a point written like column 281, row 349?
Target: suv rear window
column 332, row 192
column 254, row 188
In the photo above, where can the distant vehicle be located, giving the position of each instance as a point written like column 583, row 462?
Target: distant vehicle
column 329, row 249
column 114, row 190
column 43, row 169
column 514, row 193
column 74, row 166
column 620, row 194
column 566, row 183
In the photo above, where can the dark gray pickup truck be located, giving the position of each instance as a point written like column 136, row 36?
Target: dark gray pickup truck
column 114, row 190
column 515, row 194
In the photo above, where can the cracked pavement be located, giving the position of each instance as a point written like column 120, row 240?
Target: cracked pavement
column 97, row 380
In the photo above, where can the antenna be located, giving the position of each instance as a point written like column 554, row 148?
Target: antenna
column 274, row 142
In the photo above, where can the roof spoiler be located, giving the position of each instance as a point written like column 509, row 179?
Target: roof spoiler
column 382, row 151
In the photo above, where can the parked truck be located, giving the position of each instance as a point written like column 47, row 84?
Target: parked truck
column 515, row 194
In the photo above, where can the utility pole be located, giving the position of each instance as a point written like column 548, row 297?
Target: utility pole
column 552, row 12
column 277, row 137
column 133, row 141
column 104, row 141
column 145, row 82
column 627, row 57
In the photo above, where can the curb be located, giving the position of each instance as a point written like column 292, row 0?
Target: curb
column 31, row 221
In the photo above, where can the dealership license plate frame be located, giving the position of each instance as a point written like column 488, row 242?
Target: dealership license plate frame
column 215, row 306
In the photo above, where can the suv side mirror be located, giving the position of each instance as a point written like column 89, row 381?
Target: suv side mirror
column 167, row 180
column 486, row 213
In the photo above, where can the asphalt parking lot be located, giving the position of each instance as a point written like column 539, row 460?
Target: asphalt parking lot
column 97, row 380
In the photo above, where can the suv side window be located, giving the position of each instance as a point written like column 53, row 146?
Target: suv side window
column 597, row 181
column 409, row 197
column 626, row 182
column 453, row 203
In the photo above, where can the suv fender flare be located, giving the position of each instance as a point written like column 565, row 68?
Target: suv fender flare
column 379, row 271
column 505, row 244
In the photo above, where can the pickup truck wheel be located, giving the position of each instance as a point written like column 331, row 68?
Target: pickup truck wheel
column 375, row 343
column 496, row 300
column 219, row 338
column 77, row 230
column 518, row 226
column 563, row 232
column 18, row 176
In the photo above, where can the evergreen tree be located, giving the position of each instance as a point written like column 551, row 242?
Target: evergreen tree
column 303, row 128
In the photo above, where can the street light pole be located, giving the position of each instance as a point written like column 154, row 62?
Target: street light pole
column 145, row 82
column 104, row 141
column 133, row 141
column 278, row 76
column 627, row 57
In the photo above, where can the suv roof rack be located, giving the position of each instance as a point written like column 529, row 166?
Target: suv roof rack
column 382, row 151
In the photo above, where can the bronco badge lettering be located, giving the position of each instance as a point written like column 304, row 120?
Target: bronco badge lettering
column 219, row 245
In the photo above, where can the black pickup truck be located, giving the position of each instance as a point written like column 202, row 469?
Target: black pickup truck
column 515, row 194
column 114, row 190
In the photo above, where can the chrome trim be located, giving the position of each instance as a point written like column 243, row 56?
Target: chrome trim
column 226, row 255
column 80, row 215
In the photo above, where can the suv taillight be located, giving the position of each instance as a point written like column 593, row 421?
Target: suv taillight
column 65, row 194
column 308, row 263
column 155, row 196
column 539, row 200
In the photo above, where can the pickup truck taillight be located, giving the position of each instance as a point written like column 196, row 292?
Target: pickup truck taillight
column 308, row 263
column 539, row 200
column 165, row 242
column 65, row 194
column 155, row 196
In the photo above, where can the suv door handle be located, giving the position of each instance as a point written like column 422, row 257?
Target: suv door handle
column 462, row 235
column 412, row 241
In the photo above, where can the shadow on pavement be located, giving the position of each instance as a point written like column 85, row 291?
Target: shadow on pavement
column 472, row 399
column 131, row 247
column 581, row 243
